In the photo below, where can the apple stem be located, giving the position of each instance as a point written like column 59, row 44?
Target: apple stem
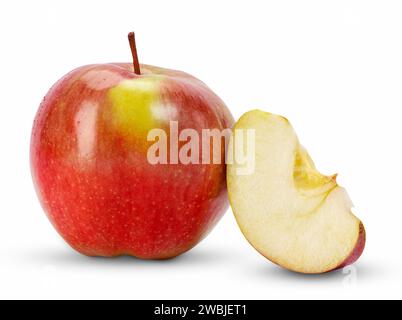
column 136, row 64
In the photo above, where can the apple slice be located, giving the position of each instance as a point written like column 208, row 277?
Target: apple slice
column 288, row 211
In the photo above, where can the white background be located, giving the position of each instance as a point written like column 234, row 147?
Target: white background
column 334, row 68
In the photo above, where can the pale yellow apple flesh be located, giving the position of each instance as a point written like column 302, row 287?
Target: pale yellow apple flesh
column 288, row 211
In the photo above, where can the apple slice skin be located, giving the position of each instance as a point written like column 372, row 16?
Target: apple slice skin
column 358, row 250
column 90, row 169
column 234, row 184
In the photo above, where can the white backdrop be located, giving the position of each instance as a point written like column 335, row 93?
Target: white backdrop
column 334, row 68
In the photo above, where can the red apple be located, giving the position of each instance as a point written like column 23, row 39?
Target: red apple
column 90, row 168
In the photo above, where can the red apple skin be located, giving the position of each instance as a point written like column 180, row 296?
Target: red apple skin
column 91, row 171
column 358, row 249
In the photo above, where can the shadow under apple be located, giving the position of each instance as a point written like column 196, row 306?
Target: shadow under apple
column 69, row 258
column 362, row 271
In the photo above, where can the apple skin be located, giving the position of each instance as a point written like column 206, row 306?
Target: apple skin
column 89, row 161
column 358, row 249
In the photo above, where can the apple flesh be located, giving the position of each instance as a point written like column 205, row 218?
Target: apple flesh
column 288, row 211
column 89, row 161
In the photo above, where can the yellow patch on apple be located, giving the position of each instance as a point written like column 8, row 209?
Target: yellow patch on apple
column 132, row 102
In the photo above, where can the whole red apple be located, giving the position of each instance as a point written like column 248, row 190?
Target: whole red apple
column 90, row 168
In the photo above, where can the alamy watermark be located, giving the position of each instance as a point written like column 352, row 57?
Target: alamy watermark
column 350, row 278
column 211, row 146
